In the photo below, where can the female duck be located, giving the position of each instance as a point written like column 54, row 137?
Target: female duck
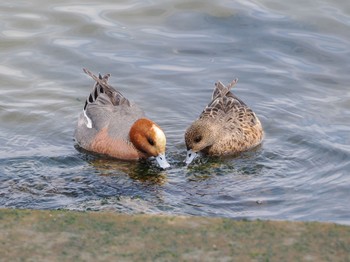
column 226, row 126
column 111, row 125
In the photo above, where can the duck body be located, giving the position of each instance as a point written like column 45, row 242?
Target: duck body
column 111, row 125
column 226, row 126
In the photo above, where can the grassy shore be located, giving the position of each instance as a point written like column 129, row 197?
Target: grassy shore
column 33, row 235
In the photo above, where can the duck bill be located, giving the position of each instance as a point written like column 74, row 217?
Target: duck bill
column 190, row 156
column 161, row 160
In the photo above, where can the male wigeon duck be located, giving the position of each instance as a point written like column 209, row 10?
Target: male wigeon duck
column 111, row 125
column 226, row 126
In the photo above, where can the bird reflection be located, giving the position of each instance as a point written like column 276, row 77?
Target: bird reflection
column 140, row 170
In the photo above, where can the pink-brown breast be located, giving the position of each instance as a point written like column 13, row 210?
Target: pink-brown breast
column 118, row 148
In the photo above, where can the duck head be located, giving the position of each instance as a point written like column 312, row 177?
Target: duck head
column 199, row 137
column 150, row 140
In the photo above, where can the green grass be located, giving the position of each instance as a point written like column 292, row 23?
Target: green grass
column 32, row 235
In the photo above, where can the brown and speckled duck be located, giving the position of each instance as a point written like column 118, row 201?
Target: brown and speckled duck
column 111, row 125
column 227, row 126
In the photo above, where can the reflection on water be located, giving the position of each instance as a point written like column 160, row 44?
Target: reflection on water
column 139, row 171
column 292, row 61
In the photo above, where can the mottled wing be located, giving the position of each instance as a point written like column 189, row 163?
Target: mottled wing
column 222, row 105
column 225, row 106
column 222, row 101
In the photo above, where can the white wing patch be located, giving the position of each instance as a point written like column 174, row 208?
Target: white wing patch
column 88, row 120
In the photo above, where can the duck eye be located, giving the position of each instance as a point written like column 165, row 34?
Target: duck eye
column 197, row 139
column 150, row 141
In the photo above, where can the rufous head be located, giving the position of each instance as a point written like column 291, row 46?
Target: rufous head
column 149, row 139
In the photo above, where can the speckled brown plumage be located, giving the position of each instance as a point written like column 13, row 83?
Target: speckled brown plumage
column 226, row 126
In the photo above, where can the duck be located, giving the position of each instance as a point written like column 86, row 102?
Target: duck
column 111, row 125
column 226, row 126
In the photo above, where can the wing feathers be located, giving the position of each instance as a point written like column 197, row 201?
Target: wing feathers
column 225, row 105
column 102, row 87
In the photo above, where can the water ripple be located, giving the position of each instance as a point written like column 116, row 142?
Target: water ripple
column 292, row 62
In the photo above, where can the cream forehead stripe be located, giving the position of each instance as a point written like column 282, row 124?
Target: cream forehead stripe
column 159, row 134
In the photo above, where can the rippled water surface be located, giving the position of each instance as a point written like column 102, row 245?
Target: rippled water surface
column 293, row 64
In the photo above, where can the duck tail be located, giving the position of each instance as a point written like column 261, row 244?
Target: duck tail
column 101, row 80
column 233, row 82
column 102, row 86
column 221, row 89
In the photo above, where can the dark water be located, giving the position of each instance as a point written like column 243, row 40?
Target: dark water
column 293, row 65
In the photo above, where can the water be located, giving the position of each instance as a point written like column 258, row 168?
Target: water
column 292, row 61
